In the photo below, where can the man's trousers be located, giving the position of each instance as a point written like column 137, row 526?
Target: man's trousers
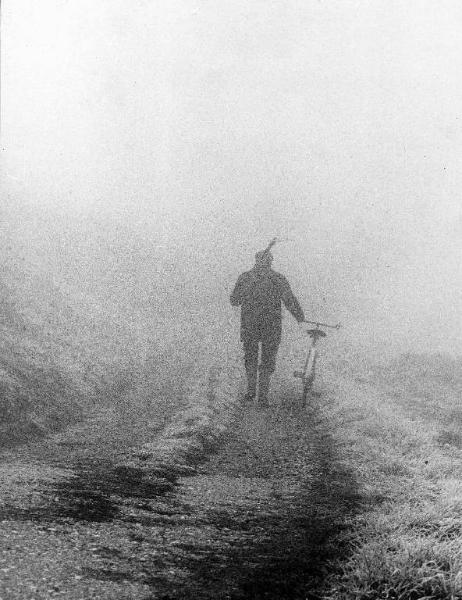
column 269, row 350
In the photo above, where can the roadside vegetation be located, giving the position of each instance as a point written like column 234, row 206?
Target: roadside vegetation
column 58, row 358
column 399, row 427
column 69, row 348
column 95, row 310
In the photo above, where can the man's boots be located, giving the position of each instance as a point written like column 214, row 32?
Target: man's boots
column 251, row 383
column 263, row 387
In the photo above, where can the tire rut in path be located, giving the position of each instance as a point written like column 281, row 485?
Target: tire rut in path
column 260, row 520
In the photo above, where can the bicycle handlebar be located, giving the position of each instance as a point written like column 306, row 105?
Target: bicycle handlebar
column 323, row 324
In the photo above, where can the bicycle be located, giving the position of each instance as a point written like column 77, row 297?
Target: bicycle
column 309, row 369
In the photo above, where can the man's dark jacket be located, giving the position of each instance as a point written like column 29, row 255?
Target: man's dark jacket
column 260, row 292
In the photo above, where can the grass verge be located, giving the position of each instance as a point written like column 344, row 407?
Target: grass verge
column 404, row 542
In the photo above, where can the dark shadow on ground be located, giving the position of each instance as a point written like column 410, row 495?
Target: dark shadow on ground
column 299, row 545
column 93, row 493
column 282, row 555
column 95, row 488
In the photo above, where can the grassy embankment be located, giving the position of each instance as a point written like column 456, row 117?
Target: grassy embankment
column 81, row 334
column 399, row 428
column 65, row 353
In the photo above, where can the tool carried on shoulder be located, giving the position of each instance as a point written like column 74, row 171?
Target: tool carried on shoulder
column 273, row 242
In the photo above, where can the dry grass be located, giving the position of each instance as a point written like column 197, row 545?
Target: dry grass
column 406, row 540
column 64, row 353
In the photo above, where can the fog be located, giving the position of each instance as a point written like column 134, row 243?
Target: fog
column 151, row 148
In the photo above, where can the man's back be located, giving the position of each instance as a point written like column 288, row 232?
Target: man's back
column 260, row 292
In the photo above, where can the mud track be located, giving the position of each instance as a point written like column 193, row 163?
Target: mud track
column 260, row 518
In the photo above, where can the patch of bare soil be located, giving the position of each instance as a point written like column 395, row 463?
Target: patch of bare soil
column 260, row 519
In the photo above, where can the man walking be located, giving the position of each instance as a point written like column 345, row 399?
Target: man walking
column 259, row 292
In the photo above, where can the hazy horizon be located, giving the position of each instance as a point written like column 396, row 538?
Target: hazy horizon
column 156, row 146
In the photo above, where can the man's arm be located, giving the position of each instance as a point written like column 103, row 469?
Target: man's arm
column 237, row 293
column 291, row 302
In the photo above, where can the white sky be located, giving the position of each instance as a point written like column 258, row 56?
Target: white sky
column 212, row 126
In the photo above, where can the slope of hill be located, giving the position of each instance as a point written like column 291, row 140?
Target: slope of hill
column 63, row 351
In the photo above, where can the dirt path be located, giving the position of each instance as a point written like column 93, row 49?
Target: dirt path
column 262, row 515
column 258, row 519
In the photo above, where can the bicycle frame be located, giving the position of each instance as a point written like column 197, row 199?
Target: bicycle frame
column 309, row 369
